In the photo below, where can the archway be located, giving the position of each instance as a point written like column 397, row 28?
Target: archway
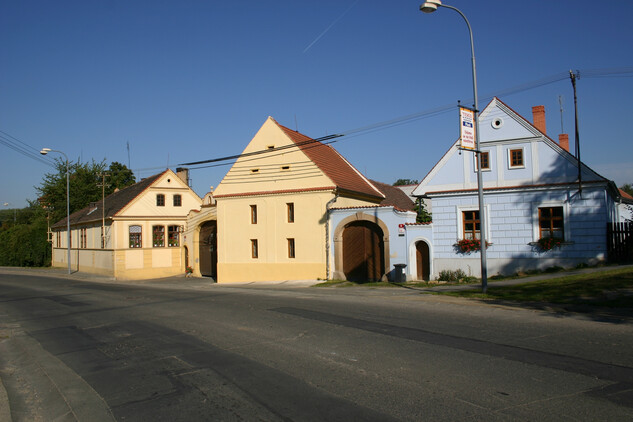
column 363, row 251
column 209, row 249
column 422, row 260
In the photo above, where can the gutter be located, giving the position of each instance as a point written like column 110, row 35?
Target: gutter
column 327, row 233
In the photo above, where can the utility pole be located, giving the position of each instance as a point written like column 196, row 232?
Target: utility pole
column 102, row 185
column 573, row 77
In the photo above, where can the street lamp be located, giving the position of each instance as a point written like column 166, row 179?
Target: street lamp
column 430, row 7
column 45, row 151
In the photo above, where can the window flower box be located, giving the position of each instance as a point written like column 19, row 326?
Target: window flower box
column 467, row 246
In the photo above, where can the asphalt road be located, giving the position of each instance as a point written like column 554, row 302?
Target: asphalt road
column 190, row 350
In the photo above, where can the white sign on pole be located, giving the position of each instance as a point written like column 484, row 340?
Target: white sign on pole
column 467, row 127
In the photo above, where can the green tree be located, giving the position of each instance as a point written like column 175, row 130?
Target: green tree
column 404, row 182
column 24, row 243
column 628, row 188
column 119, row 177
column 85, row 180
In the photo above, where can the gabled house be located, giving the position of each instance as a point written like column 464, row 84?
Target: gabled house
column 272, row 206
column 532, row 191
column 133, row 233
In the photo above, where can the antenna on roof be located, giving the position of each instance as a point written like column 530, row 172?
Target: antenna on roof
column 296, row 125
column 128, row 155
column 560, row 102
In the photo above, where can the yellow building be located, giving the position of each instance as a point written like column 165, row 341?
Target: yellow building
column 134, row 233
column 272, row 218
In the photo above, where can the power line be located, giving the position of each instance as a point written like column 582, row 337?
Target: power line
column 22, row 148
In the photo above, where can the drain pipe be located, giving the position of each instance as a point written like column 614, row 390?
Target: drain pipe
column 327, row 234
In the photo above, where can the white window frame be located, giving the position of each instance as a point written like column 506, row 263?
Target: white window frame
column 475, row 162
column 510, row 166
column 460, row 219
column 535, row 221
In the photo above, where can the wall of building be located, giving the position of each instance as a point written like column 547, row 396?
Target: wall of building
column 512, row 220
column 272, row 231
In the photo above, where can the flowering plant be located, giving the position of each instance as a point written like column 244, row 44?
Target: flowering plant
column 469, row 245
column 549, row 243
column 188, row 269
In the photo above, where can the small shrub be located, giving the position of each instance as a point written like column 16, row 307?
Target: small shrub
column 452, row 275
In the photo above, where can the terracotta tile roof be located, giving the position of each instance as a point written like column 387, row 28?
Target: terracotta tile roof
column 337, row 168
column 394, row 196
column 114, row 203
column 625, row 195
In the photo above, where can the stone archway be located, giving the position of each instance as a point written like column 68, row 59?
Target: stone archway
column 370, row 257
column 208, row 249
column 363, row 252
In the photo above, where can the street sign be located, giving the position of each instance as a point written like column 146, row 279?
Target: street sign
column 467, row 127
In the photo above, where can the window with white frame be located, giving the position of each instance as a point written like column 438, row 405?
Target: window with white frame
column 136, row 236
column 83, row 238
column 551, row 222
column 516, row 158
column 484, row 159
column 158, row 236
column 173, row 236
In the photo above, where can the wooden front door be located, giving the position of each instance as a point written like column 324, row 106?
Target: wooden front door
column 363, row 252
column 208, row 249
column 422, row 260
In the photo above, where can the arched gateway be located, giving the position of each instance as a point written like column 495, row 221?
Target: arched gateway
column 361, row 248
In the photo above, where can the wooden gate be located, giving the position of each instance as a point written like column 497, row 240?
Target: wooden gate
column 363, row 252
column 208, row 249
column 620, row 242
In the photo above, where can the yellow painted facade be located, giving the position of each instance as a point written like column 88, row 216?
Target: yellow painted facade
column 118, row 258
column 257, row 238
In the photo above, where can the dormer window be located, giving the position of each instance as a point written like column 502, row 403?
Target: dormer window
column 254, row 170
column 270, row 147
column 285, row 168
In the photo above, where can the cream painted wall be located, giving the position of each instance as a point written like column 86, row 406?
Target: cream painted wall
column 266, row 173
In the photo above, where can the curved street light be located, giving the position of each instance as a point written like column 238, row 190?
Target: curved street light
column 430, row 7
column 45, row 151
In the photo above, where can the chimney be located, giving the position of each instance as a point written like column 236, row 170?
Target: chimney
column 563, row 141
column 183, row 174
column 538, row 116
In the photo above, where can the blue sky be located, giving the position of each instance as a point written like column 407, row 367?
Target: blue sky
column 185, row 80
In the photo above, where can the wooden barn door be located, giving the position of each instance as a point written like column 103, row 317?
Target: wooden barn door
column 363, row 252
column 208, row 249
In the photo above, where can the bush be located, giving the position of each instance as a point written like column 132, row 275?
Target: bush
column 452, row 275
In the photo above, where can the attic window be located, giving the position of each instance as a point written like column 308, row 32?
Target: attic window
column 285, row 167
column 254, row 170
column 496, row 123
column 270, row 147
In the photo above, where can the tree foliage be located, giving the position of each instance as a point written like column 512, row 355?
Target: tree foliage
column 23, row 232
column 404, row 182
column 85, row 185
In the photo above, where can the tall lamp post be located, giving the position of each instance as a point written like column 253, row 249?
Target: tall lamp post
column 45, row 151
column 430, row 7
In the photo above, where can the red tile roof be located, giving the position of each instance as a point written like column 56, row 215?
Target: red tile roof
column 394, row 196
column 335, row 167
